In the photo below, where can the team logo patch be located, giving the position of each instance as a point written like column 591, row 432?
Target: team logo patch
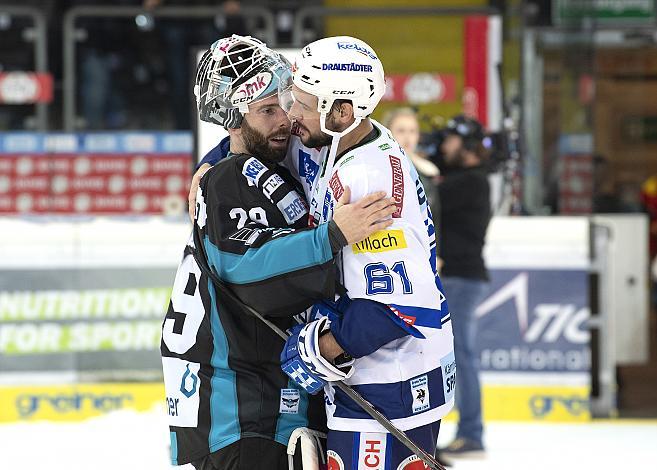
column 334, row 461
column 397, row 185
column 290, row 399
column 420, row 392
column 412, row 463
column 372, row 451
column 383, row 240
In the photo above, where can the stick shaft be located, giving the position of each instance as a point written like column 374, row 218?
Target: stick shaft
column 360, row 401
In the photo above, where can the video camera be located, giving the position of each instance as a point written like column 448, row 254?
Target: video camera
column 496, row 144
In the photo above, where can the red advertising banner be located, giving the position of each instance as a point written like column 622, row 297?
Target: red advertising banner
column 25, row 88
column 94, row 184
column 420, row 88
column 130, row 173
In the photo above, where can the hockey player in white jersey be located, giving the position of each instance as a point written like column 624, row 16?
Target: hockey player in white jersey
column 390, row 335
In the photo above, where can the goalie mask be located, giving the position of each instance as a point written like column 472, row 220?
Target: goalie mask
column 233, row 73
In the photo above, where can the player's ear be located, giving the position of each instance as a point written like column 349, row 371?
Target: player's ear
column 347, row 111
column 235, row 132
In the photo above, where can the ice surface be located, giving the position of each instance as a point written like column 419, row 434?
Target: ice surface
column 129, row 440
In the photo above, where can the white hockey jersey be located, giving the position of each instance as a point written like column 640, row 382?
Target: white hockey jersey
column 410, row 380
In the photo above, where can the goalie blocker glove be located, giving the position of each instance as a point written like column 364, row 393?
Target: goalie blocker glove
column 302, row 361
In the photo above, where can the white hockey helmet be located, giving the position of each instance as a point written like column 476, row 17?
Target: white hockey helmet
column 340, row 67
column 234, row 72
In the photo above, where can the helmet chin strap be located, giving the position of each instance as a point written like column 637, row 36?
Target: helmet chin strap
column 320, row 184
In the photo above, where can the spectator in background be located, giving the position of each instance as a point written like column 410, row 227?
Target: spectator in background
column 609, row 195
column 465, row 212
column 405, row 128
column 104, row 67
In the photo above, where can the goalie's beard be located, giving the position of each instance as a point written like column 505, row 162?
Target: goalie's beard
column 258, row 145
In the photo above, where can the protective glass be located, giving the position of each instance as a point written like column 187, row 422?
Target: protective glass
column 286, row 97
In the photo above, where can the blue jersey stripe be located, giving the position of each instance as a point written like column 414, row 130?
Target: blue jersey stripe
column 389, row 445
column 224, row 420
column 174, row 448
column 428, row 317
column 288, row 422
column 356, row 451
column 276, row 257
column 394, row 400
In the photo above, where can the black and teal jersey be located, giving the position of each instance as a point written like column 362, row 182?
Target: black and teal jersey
column 221, row 364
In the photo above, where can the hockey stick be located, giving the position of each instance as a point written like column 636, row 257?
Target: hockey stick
column 428, row 459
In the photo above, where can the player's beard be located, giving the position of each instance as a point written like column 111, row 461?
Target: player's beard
column 317, row 140
column 258, row 145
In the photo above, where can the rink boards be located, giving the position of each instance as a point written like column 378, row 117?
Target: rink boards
column 82, row 300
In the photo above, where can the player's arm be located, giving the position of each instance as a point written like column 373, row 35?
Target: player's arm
column 210, row 159
column 280, row 271
column 323, row 350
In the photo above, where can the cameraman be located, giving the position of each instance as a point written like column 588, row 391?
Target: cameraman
column 465, row 212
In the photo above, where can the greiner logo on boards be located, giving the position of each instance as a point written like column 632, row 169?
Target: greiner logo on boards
column 73, row 402
column 383, row 240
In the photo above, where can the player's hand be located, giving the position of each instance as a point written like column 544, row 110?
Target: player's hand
column 360, row 219
column 196, row 179
column 302, row 360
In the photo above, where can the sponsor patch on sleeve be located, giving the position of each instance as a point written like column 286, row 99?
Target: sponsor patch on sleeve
column 272, row 184
column 397, row 185
column 383, row 240
column 448, row 367
column 292, row 207
column 181, row 384
column 253, row 170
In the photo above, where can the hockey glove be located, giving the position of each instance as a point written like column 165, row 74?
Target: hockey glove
column 302, row 361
